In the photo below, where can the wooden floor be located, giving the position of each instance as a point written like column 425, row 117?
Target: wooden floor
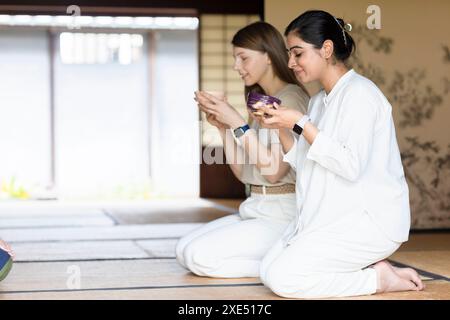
column 126, row 251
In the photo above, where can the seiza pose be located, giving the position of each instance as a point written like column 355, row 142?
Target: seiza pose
column 234, row 246
column 354, row 204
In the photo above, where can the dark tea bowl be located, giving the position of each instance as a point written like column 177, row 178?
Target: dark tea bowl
column 254, row 97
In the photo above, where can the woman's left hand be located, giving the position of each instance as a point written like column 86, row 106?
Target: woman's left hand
column 222, row 110
column 281, row 117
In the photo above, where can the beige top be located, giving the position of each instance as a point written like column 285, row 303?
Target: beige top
column 291, row 96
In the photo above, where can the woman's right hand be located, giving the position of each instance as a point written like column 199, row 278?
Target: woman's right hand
column 280, row 117
column 212, row 120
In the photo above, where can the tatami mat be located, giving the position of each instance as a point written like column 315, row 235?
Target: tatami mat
column 120, row 232
column 107, row 274
column 80, row 250
column 132, row 257
column 437, row 290
column 437, row 262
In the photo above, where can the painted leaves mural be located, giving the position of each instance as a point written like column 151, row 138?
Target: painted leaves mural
column 426, row 163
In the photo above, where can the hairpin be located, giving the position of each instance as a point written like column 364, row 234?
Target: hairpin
column 347, row 27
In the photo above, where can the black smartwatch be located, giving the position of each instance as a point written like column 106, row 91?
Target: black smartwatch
column 300, row 125
column 297, row 129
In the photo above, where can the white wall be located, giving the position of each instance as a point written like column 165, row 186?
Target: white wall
column 174, row 118
column 101, row 127
column 24, row 107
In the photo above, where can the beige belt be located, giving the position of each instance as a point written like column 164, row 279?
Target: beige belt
column 284, row 188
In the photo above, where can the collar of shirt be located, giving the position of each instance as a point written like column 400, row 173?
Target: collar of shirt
column 342, row 80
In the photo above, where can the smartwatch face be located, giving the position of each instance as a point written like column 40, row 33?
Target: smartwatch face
column 297, row 129
column 238, row 132
column 241, row 130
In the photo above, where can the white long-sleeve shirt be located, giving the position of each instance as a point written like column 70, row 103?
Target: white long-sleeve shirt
column 354, row 162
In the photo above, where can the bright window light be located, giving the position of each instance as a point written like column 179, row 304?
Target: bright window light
column 71, row 22
column 63, row 20
column 182, row 22
column 5, row 19
column 124, row 21
column 85, row 20
column 163, row 21
column 104, row 21
column 143, row 21
column 22, row 19
column 100, row 48
column 43, row 20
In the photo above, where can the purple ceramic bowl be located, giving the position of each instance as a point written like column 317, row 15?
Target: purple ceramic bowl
column 254, row 97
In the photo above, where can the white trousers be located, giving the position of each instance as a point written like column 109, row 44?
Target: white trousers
column 234, row 246
column 330, row 262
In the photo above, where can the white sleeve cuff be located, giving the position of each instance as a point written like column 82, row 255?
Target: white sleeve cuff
column 319, row 144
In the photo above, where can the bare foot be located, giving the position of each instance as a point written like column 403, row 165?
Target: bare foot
column 411, row 275
column 390, row 281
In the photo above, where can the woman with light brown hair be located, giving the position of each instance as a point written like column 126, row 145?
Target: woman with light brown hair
column 233, row 246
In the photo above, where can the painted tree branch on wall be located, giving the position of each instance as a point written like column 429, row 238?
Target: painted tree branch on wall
column 426, row 164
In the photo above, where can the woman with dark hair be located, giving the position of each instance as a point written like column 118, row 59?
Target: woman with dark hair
column 354, row 210
column 233, row 246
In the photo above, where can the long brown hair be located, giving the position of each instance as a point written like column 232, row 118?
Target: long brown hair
column 263, row 37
